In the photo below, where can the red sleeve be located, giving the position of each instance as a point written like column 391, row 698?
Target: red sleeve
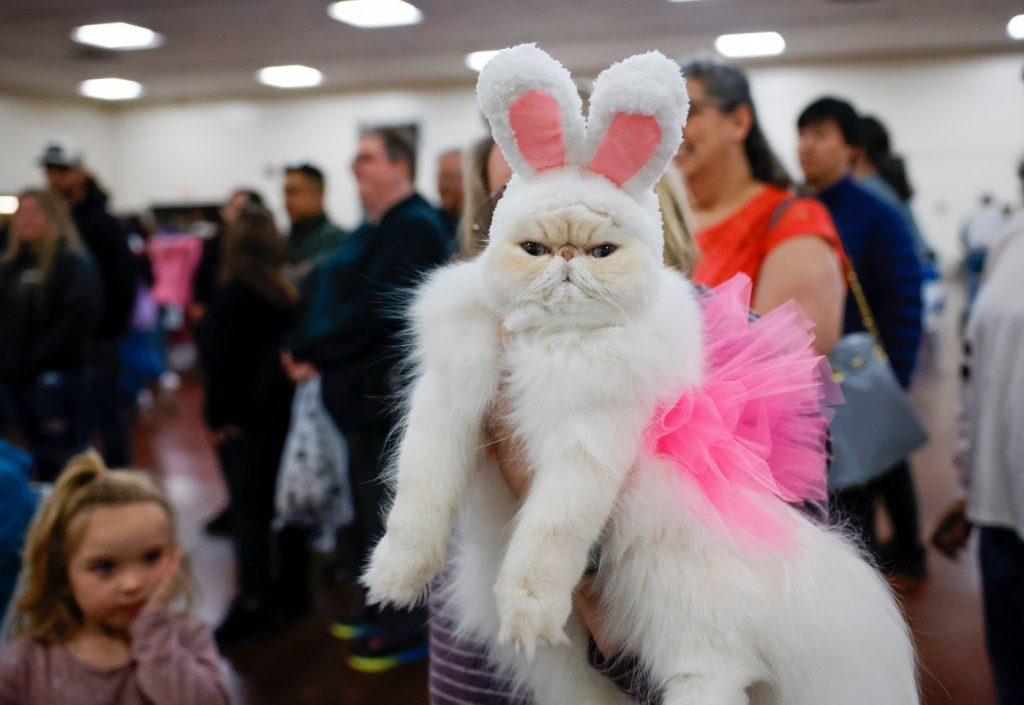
column 177, row 660
column 803, row 217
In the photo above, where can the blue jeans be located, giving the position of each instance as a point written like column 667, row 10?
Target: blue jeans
column 50, row 414
column 1002, row 577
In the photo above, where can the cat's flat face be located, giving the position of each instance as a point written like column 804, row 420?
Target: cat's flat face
column 572, row 262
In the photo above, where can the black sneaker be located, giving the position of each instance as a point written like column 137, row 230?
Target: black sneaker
column 358, row 624
column 378, row 654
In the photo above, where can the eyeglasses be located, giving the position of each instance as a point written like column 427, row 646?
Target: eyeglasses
column 698, row 106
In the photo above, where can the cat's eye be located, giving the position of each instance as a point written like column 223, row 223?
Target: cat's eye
column 603, row 250
column 534, row 249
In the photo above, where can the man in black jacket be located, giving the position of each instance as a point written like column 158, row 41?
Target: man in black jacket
column 106, row 240
column 351, row 336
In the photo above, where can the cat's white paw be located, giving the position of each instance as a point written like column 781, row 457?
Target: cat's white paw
column 531, row 618
column 400, row 572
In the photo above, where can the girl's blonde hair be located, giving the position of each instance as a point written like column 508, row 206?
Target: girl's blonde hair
column 478, row 199
column 62, row 236
column 681, row 250
column 47, row 612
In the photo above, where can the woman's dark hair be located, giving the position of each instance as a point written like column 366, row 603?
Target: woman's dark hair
column 729, row 88
column 877, row 148
column 253, row 196
column 254, row 253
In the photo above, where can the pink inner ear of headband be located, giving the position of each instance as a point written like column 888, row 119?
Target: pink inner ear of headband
column 537, row 125
column 629, row 143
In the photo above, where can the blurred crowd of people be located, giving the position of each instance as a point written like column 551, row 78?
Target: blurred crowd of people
column 272, row 312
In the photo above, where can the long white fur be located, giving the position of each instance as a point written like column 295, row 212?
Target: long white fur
column 581, row 377
column 644, row 84
column 515, row 71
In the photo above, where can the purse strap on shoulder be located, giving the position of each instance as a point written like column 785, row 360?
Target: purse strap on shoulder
column 865, row 309
column 851, row 278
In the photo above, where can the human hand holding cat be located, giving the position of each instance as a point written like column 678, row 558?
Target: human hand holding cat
column 516, row 475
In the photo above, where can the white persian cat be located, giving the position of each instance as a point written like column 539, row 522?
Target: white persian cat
column 600, row 335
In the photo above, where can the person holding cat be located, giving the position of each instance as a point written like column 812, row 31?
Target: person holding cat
column 666, row 428
column 459, row 668
column 748, row 219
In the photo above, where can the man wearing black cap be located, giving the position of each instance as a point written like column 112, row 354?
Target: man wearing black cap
column 107, row 242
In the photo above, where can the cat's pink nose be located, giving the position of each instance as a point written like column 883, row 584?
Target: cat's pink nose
column 567, row 254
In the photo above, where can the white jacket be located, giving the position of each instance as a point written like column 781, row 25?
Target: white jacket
column 994, row 400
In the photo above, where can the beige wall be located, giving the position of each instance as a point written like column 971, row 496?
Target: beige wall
column 958, row 120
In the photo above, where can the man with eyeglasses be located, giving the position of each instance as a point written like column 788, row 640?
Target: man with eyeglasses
column 353, row 337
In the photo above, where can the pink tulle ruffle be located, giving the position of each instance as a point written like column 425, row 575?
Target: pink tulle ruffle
column 756, row 427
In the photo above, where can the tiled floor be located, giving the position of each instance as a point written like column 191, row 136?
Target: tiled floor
column 304, row 666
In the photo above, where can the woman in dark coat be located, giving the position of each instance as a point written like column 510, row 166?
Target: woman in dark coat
column 248, row 401
column 50, row 304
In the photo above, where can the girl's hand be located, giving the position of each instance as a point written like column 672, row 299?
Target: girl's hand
column 168, row 585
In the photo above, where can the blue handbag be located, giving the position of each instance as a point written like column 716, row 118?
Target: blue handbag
column 876, row 427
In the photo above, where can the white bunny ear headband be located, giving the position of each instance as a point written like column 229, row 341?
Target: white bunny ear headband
column 610, row 162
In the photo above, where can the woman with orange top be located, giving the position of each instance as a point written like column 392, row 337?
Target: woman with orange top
column 748, row 220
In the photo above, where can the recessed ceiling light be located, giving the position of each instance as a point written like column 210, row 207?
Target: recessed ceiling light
column 1015, row 27
column 476, row 60
column 117, row 35
column 367, row 14
column 8, row 204
column 110, row 88
column 738, row 46
column 293, row 76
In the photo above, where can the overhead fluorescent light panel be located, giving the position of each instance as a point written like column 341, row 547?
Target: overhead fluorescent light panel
column 750, row 44
column 291, row 76
column 121, row 36
column 373, row 14
column 110, row 89
column 1015, row 27
column 476, row 60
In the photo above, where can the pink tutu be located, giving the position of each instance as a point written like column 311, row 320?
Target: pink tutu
column 756, row 427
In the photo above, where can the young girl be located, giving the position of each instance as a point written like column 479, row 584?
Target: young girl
column 102, row 566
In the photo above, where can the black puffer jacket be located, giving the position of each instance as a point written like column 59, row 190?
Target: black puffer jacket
column 44, row 325
column 245, row 385
column 107, row 242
